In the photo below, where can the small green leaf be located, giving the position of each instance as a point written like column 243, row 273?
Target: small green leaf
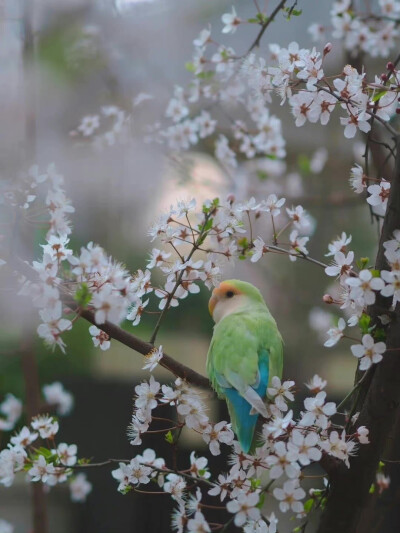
column 375, row 273
column 126, row 489
column 262, row 175
column 363, row 263
column 304, row 164
column 292, row 12
column 372, row 488
column 169, row 437
column 190, row 66
column 208, row 225
column 243, row 242
column 253, row 21
column 206, row 75
column 364, row 323
column 323, row 503
column 262, row 19
column 379, row 334
column 209, row 209
column 378, row 96
column 260, row 503
column 47, row 454
column 83, row 295
column 309, row 505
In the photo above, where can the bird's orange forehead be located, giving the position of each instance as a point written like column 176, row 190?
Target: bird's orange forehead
column 219, row 292
column 223, row 288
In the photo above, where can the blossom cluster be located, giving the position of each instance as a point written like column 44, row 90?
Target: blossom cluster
column 375, row 33
column 358, row 291
column 285, row 448
column 197, row 243
column 47, row 465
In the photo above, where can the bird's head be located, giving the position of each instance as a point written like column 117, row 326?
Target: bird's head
column 230, row 296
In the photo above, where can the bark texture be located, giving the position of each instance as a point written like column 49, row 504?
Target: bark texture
column 378, row 402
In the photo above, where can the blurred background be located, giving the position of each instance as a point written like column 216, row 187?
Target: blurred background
column 62, row 60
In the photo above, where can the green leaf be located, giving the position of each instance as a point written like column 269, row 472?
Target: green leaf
column 243, row 242
column 375, row 273
column 209, row 209
column 262, row 175
column 364, row 323
column 378, row 96
column 363, row 263
column 253, row 21
column 379, row 334
column 309, row 505
column 262, row 19
column 169, row 437
column 372, row 488
column 261, row 500
column 190, row 66
column 206, row 75
column 126, row 489
column 304, row 164
column 47, row 454
column 323, row 503
column 83, row 295
column 208, row 225
column 292, row 12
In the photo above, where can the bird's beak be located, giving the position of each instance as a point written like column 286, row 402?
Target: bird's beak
column 212, row 303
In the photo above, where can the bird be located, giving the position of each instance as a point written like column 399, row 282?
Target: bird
column 245, row 353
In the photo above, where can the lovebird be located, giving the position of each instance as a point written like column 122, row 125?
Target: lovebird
column 245, row 353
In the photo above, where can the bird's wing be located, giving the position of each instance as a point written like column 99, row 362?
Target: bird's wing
column 239, row 367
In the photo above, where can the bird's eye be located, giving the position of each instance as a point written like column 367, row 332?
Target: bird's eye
column 230, row 294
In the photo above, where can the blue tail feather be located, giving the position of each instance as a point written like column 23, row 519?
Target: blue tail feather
column 244, row 422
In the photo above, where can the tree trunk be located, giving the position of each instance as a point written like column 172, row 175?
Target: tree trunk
column 377, row 403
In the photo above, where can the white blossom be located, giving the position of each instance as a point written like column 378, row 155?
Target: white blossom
column 289, row 496
column 335, row 334
column 244, row 508
column 368, row 352
column 80, row 487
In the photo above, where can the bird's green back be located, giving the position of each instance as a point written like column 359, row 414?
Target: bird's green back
column 236, row 344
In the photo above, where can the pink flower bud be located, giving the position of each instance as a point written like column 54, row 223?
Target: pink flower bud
column 327, row 298
column 327, row 48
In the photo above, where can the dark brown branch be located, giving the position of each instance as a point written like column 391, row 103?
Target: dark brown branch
column 119, row 334
column 143, row 347
column 378, row 402
column 265, row 26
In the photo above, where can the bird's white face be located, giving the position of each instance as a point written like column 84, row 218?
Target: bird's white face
column 225, row 299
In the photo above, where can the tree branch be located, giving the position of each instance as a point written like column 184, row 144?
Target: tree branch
column 143, row 347
column 265, row 26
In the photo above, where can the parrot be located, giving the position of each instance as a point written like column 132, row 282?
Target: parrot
column 245, row 353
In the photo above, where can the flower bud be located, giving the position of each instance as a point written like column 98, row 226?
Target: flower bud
column 327, row 48
column 327, row 298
